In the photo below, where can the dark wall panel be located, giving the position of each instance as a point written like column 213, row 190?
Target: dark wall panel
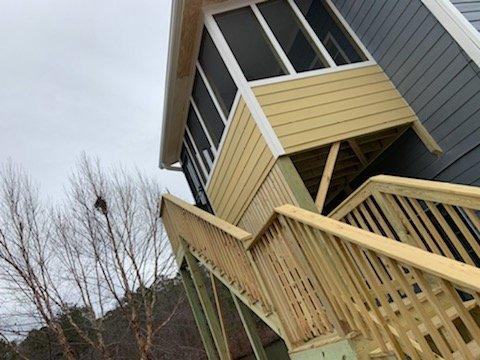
column 437, row 79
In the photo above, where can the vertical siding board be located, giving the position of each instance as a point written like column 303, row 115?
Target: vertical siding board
column 436, row 78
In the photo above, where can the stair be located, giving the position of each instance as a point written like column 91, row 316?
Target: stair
column 365, row 269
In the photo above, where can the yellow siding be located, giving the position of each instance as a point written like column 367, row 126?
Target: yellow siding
column 243, row 164
column 314, row 111
column 273, row 192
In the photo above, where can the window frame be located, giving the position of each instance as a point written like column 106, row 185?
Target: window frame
column 211, row 10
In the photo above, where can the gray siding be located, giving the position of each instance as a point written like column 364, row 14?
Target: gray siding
column 437, row 79
column 470, row 9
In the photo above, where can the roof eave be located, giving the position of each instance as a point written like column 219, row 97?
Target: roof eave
column 170, row 77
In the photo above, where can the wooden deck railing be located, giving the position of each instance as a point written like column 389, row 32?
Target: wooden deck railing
column 437, row 217
column 320, row 277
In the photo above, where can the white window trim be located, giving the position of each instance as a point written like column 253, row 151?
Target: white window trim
column 243, row 87
column 204, row 127
column 311, row 73
column 197, row 153
column 210, row 91
column 273, row 40
column 193, row 162
column 233, row 111
column 318, row 43
column 457, row 25
column 350, row 31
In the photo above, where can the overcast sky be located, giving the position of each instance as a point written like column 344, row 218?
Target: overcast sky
column 83, row 75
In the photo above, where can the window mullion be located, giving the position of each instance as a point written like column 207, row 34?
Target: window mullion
column 273, row 40
column 192, row 160
column 312, row 34
column 212, row 94
column 204, row 127
column 197, row 153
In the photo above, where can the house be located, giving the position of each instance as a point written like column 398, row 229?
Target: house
column 333, row 151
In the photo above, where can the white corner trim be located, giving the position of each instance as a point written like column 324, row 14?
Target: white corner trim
column 457, row 26
column 244, row 88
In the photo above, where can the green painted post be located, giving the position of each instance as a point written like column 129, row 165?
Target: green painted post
column 250, row 328
column 199, row 316
column 207, row 306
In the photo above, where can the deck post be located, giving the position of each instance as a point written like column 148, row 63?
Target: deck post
column 207, row 306
column 296, row 184
column 250, row 328
column 219, row 309
column 198, row 314
column 327, row 176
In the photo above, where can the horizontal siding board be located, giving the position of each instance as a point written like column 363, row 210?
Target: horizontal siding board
column 311, row 112
column 438, row 81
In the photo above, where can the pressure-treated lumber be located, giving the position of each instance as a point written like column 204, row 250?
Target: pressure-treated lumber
column 219, row 311
column 358, row 152
column 199, row 316
column 454, row 271
column 250, row 329
column 327, row 176
column 314, row 278
column 207, row 306
column 426, row 138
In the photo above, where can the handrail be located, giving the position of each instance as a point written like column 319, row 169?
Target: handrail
column 434, row 216
column 454, row 194
column 448, row 269
column 223, row 225
column 320, row 277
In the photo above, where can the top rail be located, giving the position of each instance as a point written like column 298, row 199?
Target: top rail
column 454, row 271
column 453, row 194
column 223, row 225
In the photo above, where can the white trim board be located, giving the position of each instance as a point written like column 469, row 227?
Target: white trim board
column 457, row 26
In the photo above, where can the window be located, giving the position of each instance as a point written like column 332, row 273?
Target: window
column 250, row 44
column 291, row 35
column 217, row 74
column 200, row 139
column 330, row 32
column 210, row 116
column 191, row 154
column 192, row 176
column 278, row 37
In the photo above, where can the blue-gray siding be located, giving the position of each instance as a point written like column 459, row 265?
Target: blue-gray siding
column 435, row 76
column 470, row 9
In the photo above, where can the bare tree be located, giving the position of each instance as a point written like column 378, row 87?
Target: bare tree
column 25, row 254
column 104, row 248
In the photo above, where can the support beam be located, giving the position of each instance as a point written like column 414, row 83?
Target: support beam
column 327, row 176
column 250, row 328
column 219, row 311
column 199, row 316
column 207, row 306
column 358, row 152
column 426, row 138
column 296, row 184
